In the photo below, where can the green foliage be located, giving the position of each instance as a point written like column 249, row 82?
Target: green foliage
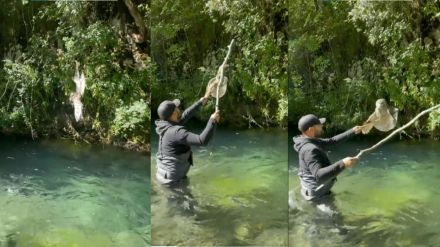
column 37, row 74
column 189, row 41
column 346, row 54
column 17, row 108
column 131, row 120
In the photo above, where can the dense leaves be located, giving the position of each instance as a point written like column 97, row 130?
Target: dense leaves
column 40, row 48
column 189, row 42
column 346, row 54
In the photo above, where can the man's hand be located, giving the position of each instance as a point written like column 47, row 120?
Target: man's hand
column 350, row 161
column 216, row 116
column 205, row 98
column 357, row 129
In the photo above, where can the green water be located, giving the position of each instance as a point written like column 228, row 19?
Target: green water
column 239, row 182
column 57, row 193
column 391, row 198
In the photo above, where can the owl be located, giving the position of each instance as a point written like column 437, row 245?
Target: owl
column 75, row 97
column 384, row 117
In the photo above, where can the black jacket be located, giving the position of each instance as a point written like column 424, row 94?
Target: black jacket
column 315, row 168
column 174, row 155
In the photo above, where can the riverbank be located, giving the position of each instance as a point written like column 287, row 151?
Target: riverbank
column 86, row 138
column 79, row 74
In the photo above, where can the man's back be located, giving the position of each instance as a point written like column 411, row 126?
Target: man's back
column 172, row 138
column 174, row 156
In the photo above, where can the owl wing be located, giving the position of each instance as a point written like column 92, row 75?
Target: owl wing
column 394, row 112
column 372, row 118
column 78, row 106
column 81, row 85
column 369, row 124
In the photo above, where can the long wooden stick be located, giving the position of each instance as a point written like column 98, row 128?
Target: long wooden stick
column 220, row 80
column 363, row 151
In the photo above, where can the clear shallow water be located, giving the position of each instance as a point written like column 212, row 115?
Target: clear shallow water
column 56, row 193
column 239, row 184
column 391, row 198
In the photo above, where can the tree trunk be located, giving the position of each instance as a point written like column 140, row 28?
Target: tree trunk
column 134, row 12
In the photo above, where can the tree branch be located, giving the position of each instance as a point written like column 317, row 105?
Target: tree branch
column 221, row 70
column 134, row 12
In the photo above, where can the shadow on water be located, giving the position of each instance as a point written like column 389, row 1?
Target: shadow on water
column 391, row 198
column 239, row 188
column 57, row 193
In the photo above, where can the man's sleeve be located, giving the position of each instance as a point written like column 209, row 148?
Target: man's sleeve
column 202, row 139
column 338, row 138
column 322, row 174
column 189, row 112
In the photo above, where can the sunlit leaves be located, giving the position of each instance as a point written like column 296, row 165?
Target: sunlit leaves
column 37, row 79
column 189, row 36
column 347, row 54
column 131, row 120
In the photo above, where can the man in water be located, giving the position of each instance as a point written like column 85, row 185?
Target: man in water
column 316, row 173
column 174, row 156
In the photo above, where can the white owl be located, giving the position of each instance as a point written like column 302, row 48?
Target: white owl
column 75, row 97
column 384, row 117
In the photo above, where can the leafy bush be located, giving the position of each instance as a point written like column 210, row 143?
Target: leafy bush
column 189, row 42
column 131, row 121
column 37, row 73
column 346, row 54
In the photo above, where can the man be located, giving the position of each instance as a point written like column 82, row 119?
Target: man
column 174, row 156
column 316, row 173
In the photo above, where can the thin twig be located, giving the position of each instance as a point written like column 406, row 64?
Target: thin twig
column 221, row 70
column 363, row 151
column 6, row 88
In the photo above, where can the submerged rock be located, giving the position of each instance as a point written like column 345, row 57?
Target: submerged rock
column 242, row 231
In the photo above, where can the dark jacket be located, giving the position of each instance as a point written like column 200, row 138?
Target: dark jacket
column 174, row 156
column 317, row 174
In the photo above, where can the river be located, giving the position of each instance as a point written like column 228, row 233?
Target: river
column 390, row 198
column 238, row 186
column 58, row 193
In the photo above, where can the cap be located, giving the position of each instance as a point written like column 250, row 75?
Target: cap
column 308, row 121
column 166, row 108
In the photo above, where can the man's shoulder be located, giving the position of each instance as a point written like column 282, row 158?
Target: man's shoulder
column 177, row 128
column 176, row 133
column 310, row 148
column 307, row 147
